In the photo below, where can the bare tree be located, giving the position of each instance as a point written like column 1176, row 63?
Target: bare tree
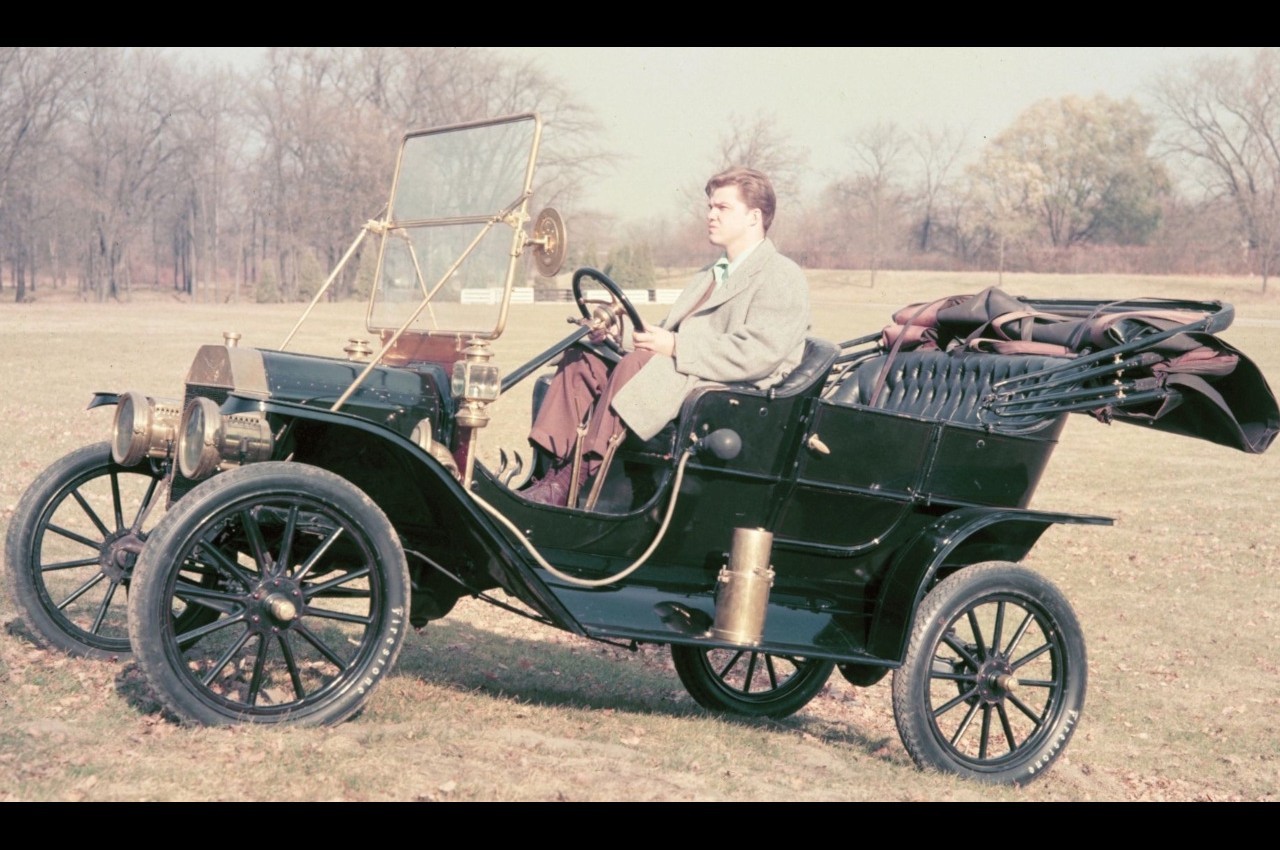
column 36, row 86
column 204, row 201
column 761, row 144
column 215, row 174
column 874, row 189
column 1223, row 118
column 126, row 113
column 329, row 120
column 937, row 152
column 321, row 171
column 415, row 87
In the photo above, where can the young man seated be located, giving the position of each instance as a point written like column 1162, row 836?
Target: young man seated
column 742, row 319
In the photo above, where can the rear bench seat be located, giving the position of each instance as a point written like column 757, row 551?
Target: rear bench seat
column 936, row 385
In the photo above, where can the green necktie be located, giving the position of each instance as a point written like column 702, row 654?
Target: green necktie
column 720, row 270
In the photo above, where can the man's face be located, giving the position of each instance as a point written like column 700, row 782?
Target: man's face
column 730, row 223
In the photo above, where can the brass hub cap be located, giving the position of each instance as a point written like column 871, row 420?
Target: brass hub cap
column 995, row 679
column 276, row 604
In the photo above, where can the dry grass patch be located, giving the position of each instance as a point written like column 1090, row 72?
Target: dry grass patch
column 1178, row 603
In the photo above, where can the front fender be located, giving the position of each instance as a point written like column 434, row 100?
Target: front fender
column 101, row 399
column 958, row 539
column 432, row 512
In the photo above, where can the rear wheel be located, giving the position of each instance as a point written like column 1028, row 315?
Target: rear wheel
column 71, row 548
column 307, row 610
column 749, row 683
column 994, row 679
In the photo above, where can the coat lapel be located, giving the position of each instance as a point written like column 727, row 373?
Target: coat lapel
column 739, row 280
column 688, row 299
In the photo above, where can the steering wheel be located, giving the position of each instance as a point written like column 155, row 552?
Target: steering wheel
column 603, row 315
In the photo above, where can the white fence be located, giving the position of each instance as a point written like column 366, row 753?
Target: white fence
column 527, row 295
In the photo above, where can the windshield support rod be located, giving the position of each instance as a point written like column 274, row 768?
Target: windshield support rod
column 395, row 337
column 368, row 226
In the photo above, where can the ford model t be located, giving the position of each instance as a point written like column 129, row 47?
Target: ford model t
column 867, row 514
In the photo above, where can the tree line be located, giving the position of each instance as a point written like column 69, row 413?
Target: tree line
column 123, row 168
column 1187, row 184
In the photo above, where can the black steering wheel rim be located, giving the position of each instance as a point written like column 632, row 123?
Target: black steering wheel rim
column 614, row 290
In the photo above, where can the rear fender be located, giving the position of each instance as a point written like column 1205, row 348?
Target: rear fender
column 962, row 537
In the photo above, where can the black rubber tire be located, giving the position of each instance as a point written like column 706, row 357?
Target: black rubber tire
column 994, row 680
column 69, row 549
column 311, row 599
column 747, row 683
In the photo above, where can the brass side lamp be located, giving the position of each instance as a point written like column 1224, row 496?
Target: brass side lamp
column 475, row 382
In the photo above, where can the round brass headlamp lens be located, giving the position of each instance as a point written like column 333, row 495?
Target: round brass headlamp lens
column 130, row 429
column 143, row 427
column 199, row 439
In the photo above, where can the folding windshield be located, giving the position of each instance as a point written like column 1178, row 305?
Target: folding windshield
column 454, row 233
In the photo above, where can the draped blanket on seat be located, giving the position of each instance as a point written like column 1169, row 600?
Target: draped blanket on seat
column 1150, row 361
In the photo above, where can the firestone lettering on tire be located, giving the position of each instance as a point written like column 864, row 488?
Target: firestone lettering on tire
column 385, row 653
column 1056, row 744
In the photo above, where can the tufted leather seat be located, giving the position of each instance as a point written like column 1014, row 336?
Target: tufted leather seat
column 814, row 363
column 935, row 384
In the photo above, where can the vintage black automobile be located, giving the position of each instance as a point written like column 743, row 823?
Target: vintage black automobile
column 867, row 514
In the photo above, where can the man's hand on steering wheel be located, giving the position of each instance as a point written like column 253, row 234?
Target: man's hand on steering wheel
column 658, row 340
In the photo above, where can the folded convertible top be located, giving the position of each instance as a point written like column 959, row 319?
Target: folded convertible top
column 1151, row 361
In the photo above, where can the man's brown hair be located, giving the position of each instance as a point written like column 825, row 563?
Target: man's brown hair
column 754, row 187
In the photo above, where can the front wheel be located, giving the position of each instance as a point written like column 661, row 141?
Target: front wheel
column 994, row 679
column 304, row 590
column 72, row 544
column 749, row 683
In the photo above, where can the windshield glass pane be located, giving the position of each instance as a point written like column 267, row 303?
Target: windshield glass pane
column 453, row 188
column 467, row 301
column 470, row 172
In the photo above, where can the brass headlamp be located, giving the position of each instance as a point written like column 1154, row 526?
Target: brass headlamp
column 143, row 427
column 208, row 440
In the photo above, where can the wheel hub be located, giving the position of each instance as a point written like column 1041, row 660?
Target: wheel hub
column 282, row 608
column 119, row 553
column 276, row 604
column 995, row 679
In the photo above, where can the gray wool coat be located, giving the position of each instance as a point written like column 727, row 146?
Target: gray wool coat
column 752, row 329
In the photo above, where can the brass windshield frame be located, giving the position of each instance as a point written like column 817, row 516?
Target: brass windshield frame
column 515, row 215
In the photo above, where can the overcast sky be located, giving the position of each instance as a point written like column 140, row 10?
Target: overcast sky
column 664, row 109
